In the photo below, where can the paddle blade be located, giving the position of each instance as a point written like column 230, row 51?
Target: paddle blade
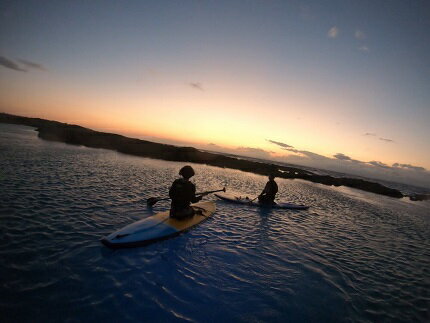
column 151, row 201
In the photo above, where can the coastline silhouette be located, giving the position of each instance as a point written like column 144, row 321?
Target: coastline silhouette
column 77, row 135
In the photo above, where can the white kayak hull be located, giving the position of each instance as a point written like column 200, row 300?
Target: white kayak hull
column 246, row 201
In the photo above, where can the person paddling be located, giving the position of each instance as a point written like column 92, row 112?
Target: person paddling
column 183, row 193
column 268, row 195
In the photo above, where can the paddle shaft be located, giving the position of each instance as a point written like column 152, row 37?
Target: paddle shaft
column 153, row 200
column 209, row 192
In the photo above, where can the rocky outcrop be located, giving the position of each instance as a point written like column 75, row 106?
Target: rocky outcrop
column 76, row 135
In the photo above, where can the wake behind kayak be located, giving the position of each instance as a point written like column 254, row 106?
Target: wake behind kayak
column 246, row 201
column 157, row 227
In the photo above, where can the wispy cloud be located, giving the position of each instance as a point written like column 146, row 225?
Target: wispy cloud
column 196, row 86
column 372, row 134
column 378, row 164
column 251, row 150
column 310, row 154
column 307, row 157
column 24, row 65
column 281, row 144
column 5, row 62
column 409, row 167
column 364, row 49
column 333, row 32
column 375, row 163
column 341, row 162
column 303, row 153
column 344, row 157
column 386, row 139
column 34, row 65
column 359, row 34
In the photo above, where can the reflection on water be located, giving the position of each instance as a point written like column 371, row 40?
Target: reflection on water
column 353, row 256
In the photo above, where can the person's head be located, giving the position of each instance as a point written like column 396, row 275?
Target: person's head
column 271, row 177
column 187, row 172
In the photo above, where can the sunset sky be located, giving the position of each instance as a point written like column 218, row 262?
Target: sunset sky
column 343, row 85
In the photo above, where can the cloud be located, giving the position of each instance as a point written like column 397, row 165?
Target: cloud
column 333, row 32
column 308, row 157
column 281, row 144
column 295, row 150
column 378, row 164
column 364, row 49
column 34, row 65
column 5, row 62
column 292, row 149
column 302, row 153
column 409, row 167
column 311, row 155
column 342, row 156
column 359, row 34
column 340, row 162
column 196, row 86
column 386, row 140
column 375, row 163
column 372, row 134
column 253, row 152
column 8, row 63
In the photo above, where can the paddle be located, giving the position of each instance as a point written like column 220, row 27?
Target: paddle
column 250, row 201
column 152, row 200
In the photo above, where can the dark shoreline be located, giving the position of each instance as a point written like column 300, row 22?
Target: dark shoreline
column 77, row 135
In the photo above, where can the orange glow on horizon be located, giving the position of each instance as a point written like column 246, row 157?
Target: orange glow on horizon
column 229, row 116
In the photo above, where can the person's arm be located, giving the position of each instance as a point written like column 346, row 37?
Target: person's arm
column 197, row 198
column 265, row 190
column 194, row 198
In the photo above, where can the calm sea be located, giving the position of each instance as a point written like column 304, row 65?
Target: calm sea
column 352, row 257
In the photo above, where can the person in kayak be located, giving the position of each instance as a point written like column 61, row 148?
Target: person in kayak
column 183, row 193
column 267, row 196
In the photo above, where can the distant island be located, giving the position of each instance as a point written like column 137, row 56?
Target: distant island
column 77, row 135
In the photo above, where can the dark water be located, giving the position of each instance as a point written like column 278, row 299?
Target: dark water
column 353, row 256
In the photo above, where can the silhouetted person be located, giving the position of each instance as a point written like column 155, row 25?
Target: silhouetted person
column 183, row 193
column 267, row 196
